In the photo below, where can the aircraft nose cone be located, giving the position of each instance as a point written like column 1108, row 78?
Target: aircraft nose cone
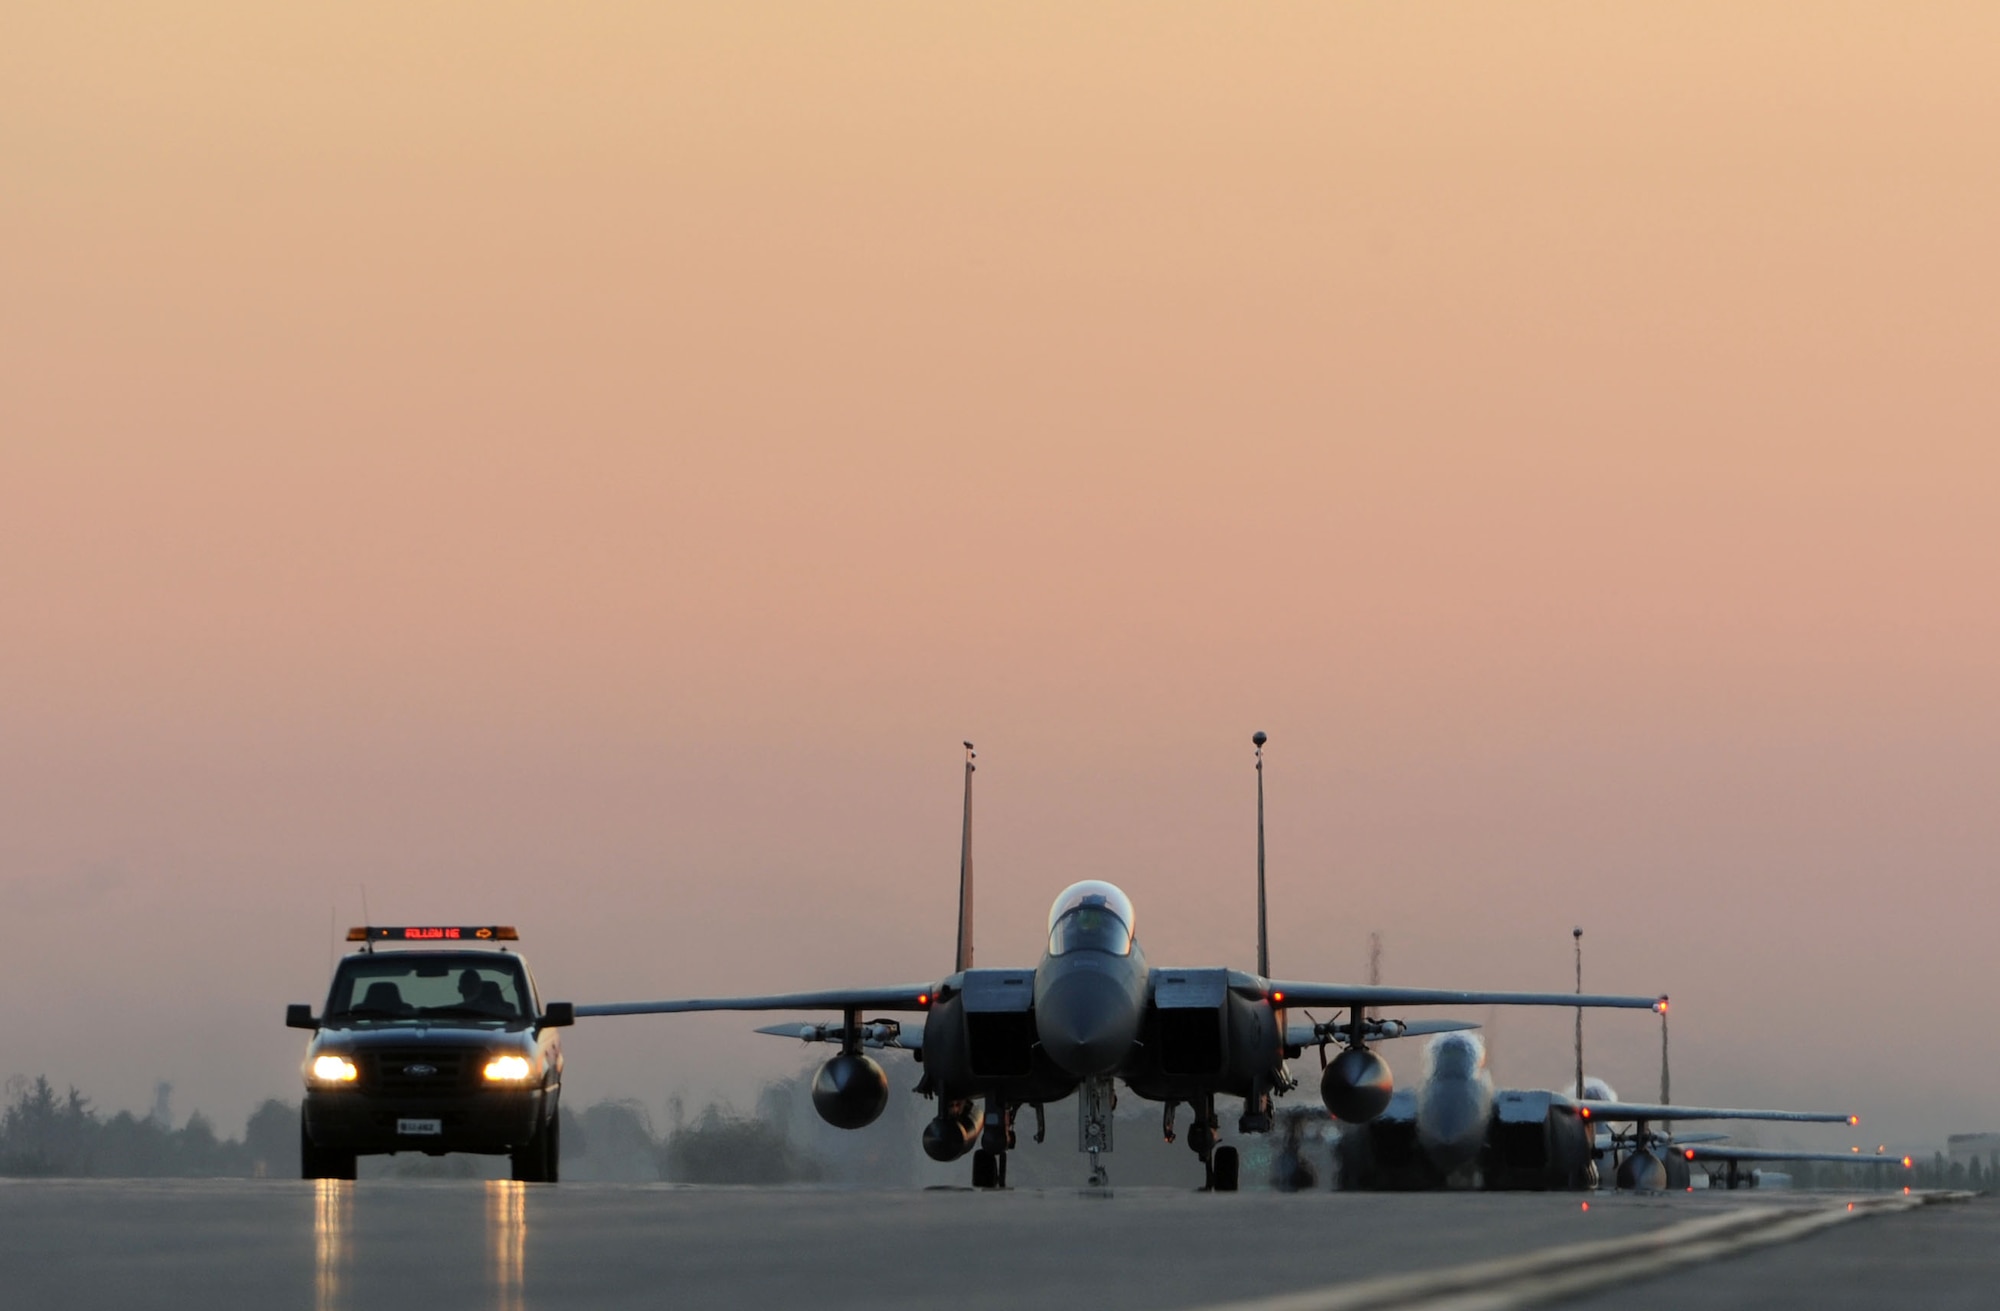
column 1087, row 1023
column 1451, row 1121
column 1643, row 1170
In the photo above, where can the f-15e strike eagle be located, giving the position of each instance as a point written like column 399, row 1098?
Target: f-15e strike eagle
column 1456, row 1123
column 1091, row 1015
column 1724, row 1163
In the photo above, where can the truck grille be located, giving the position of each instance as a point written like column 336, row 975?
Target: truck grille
column 420, row 1071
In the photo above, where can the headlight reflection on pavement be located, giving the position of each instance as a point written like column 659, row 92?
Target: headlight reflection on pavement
column 507, row 1239
column 333, row 1221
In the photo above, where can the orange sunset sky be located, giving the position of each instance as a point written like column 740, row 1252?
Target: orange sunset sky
column 587, row 466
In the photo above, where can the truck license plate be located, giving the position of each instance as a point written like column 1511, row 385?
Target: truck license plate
column 419, row 1126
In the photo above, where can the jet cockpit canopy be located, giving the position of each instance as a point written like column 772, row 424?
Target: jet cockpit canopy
column 1091, row 916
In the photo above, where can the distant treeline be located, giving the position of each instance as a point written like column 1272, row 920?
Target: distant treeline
column 44, row 1133
column 781, row 1140
column 51, row 1134
column 1934, row 1173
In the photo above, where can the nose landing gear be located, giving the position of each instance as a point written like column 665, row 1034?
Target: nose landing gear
column 1095, row 1100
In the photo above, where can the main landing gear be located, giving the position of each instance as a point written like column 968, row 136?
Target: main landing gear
column 989, row 1162
column 1221, row 1168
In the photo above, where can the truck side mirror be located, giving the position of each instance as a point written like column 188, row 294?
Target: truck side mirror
column 300, row 1016
column 559, row 1015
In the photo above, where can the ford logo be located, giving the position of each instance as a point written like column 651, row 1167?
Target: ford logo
column 420, row 1071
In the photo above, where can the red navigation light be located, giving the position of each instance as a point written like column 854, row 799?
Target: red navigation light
column 1586, row 1206
column 1661, row 1005
column 1854, row 1119
column 1688, row 1152
column 923, row 999
column 1277, row 999
column 1906, row 1165
column 1584, row 1112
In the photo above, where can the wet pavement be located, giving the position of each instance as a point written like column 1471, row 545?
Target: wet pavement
column 1942, row 1258
column 389, row 1244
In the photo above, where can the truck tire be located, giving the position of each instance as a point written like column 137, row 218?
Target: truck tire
column 539, row 1160
column 320, row 1162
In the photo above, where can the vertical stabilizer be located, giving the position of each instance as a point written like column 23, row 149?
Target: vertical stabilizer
column 965, row 870
column 1576, row 936
column 1666, row 1083
column 1257, row 740
column 1374, row 967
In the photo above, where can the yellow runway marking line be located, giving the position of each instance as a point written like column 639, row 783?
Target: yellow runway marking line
column 1552, row 1273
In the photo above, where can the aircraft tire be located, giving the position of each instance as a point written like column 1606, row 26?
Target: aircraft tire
column 1228, row 1167
column 320, row 1163
column 985, row 1170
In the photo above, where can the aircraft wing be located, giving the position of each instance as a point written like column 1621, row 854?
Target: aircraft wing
column 1361, row 994
column 1305, row 1034
column 904, row 997
column 1699, row 1153
column 1651, row 1111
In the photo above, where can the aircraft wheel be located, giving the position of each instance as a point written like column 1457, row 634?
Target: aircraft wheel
column 985, row 1170
column 320, row 1163
column 1227, row 1169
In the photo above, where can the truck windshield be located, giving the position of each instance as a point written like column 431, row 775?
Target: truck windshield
column 414, row 988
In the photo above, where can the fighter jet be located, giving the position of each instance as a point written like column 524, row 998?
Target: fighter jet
column 1650, row 1160
column 1456, row 1125
column 1723, row 1163
column 1093, row 1015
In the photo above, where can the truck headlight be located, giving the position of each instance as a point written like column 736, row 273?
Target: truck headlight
column 335, row 1069
column 508, row 1069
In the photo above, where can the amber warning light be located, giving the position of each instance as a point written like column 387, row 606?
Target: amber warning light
column 433, row 933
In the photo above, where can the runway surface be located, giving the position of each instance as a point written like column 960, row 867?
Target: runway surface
column 394, row 1244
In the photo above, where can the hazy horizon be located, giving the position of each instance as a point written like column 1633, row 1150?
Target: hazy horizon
column 589, row 470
